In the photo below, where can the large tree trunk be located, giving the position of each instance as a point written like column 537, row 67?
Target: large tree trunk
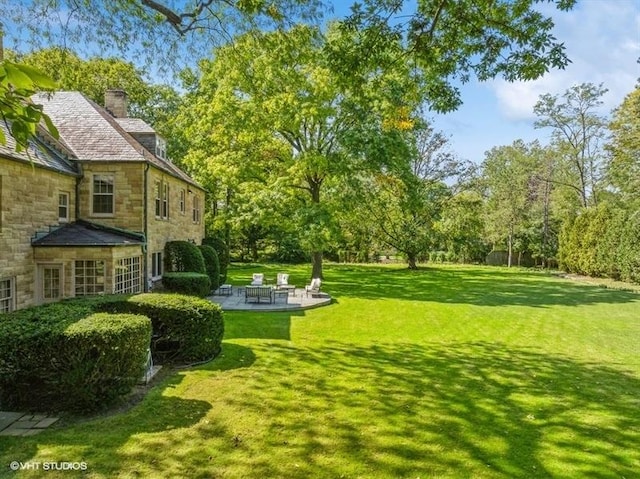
column 411, row 259
column 316, row 260
column 316, row 256
column 510, row 249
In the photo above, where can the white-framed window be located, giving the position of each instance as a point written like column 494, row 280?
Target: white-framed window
column 165, row 200
column 63, row 207
column 196, row 209
column 156, row 265
column 7, row 295
column 51, row 279
column 162, row 199
column 89, row 277
column 158, row 192
column 128, row 278
column 103, row 194
column 183, row 201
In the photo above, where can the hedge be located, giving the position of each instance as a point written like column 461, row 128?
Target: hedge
column 212, row 264
column 66, row 357
column 81, row 355
column 602, row 241
column 195, row 284
column 183, row 256
column 185, row 328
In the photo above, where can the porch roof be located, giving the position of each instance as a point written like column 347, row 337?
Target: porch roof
column 84, row 233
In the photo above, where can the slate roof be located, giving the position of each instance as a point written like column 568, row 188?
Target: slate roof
column 84, row 233
column 135, row 125
column 94, row 135
column 49, row 154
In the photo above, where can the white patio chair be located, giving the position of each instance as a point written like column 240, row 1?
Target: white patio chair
column 258, row 279
column 282, row 279
column 314, row 287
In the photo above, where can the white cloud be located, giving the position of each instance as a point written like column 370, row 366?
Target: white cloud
column 602, row 39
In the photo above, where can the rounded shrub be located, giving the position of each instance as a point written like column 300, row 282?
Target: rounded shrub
column 181, row 256
column 185, row 328
column 66, row 357
column 195, row 284
column 212, row 263
column 222, row 250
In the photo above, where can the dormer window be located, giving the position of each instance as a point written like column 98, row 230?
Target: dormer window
column 161, row 148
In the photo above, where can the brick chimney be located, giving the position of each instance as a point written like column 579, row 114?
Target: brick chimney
column 115, row 101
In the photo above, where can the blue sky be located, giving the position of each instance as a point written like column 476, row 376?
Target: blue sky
column 602, row 39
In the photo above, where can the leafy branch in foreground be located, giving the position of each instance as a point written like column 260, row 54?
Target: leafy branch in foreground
column 21, row 116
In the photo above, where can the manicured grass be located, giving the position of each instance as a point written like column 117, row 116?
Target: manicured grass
column 454, row 372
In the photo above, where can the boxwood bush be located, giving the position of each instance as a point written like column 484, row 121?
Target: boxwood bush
column 65, row 357
column 185, row 328
column 183, row 256
column 212, row 263
column 195, row 284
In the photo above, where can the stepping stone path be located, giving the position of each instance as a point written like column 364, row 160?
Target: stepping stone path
column 21, row 424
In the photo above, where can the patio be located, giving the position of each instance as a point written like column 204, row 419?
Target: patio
column 234, row 300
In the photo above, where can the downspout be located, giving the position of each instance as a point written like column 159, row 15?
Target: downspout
column 77, row 198
column 145, row 227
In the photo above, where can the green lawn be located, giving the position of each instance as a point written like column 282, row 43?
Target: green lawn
column 461, row 372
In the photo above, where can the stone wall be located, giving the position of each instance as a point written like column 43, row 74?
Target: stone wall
column 128, row 187
column 28, row 203
column 66, row 257
column 179, row 225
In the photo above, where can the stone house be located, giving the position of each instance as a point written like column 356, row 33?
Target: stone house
column 90, row 213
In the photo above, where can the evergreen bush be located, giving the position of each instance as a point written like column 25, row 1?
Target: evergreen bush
column 194, row 284
column 212, row 264
column 183, row 256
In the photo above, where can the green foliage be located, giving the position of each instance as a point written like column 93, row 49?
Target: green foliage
column 185, row 328
column 183, row 256
column 451, row 41
column 624, row 167
column 65, row 357
column 602, row 241
column 212, row 263
column 194, row 284
column 222, row 249
column 18, row 83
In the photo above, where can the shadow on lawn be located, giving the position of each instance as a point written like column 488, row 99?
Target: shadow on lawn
column 382, row 410
column 478, row 286
column 469, row 409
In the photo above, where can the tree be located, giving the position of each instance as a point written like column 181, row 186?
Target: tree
column 624, row 148
column 296, row 139
column 578, row 132
column 452, row 40
column 509, row 175
column 161, row 33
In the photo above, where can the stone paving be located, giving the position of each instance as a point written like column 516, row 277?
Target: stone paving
column 297, row 299
column 24, row 424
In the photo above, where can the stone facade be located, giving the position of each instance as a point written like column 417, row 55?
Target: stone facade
column 29, row 197
column 106, row 183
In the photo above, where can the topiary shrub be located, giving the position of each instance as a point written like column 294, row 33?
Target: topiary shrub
column 212, row 264
column 182, row 256
column 222, row 249
column 65, row 357
column 185, row 328
column 194, row 284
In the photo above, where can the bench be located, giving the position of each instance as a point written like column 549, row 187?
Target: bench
column 258, row 293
